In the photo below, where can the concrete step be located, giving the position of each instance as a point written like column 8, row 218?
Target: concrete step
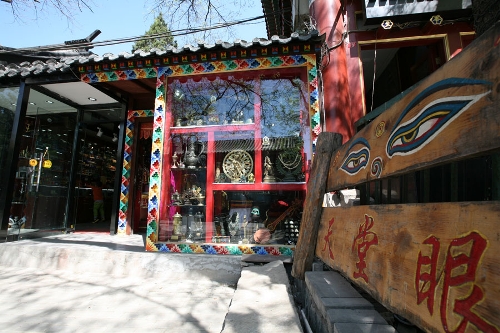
column 116, row 256
column 263, row 302
column 333, row 305
column 97, row 282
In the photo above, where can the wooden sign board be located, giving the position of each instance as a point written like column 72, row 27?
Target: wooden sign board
column 450, row 115
column 437, row 264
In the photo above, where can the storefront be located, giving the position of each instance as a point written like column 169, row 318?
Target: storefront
column 217, row 143
column 55, row 151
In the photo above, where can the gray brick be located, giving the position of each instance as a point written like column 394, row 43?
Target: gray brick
column 330, row 284
column 357, row 316
column 346, row 303
column 362, row 328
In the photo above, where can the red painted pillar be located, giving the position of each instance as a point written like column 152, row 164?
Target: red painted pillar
column 355, row 67
column 337, row 105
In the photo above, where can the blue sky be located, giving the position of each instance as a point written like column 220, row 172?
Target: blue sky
column 115, row 19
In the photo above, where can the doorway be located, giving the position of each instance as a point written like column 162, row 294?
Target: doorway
column 96, row 167
column 139, row 187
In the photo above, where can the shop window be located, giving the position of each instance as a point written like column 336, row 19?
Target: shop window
column 240, row 146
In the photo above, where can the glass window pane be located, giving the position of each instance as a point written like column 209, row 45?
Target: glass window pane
column 8, row 98
column 231, row 135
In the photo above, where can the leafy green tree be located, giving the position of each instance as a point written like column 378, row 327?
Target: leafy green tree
column 158, row 36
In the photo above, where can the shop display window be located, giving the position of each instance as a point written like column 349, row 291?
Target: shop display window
column 257, row 217
column 239, row 145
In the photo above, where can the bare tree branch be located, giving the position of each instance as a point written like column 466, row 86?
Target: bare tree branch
column 31, row 9
column 195, row 13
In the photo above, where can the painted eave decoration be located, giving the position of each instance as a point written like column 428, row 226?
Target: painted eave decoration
column 189, row 54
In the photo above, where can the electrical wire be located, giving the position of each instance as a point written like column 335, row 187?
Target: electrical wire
column 172, row 33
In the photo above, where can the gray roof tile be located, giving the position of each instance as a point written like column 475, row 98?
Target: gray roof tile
column 63, row 64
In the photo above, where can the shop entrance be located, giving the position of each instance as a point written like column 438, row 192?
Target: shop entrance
column 140, row 181
column 95, row 173
column 62, row 146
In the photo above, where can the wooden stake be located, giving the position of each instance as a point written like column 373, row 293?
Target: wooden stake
column 316, row 187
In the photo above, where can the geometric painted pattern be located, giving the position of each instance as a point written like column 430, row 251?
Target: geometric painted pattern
column 155, row 171
column 127, row 164
column 223, row 249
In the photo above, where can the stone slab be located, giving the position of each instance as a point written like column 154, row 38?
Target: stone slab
column 345, row 303
column 262, row 302
column 362, row 328
column 258, row 258
column 356, row 316
column 33, row 300
column 328, row 285
column 102, row 283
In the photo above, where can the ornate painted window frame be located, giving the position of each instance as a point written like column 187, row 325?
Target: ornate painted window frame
column 161, row 74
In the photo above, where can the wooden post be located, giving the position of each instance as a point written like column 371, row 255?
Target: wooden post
column 316, row 188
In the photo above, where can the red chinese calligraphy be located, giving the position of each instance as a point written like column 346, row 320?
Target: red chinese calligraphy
column 461, row 263
column 327, row 239
column 362, row 242
column 463, row 258
column 428, row 278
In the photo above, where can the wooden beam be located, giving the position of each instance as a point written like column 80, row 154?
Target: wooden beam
column 304, row 252
column 143, row 85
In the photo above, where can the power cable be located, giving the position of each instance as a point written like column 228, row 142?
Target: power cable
column 173, row 33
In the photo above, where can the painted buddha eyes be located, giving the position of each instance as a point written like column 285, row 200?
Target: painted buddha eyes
column 417, row 132
column 409, row 137
column 358, row 159
column 412, row 135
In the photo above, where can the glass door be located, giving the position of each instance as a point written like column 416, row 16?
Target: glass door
column 44, row 167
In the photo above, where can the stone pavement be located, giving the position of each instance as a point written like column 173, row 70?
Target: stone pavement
column 101, row 283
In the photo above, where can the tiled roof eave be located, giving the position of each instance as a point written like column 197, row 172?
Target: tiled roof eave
column 39, row 67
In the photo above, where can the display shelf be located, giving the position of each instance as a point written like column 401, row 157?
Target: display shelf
column 187, row 169
column 217, row 214
column 213, row 128
column 258, row 186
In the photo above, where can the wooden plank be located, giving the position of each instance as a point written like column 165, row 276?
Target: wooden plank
column 435, row 264
column 304, row 251
column 451, row 115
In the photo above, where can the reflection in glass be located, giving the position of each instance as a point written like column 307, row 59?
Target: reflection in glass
column 8, row 97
